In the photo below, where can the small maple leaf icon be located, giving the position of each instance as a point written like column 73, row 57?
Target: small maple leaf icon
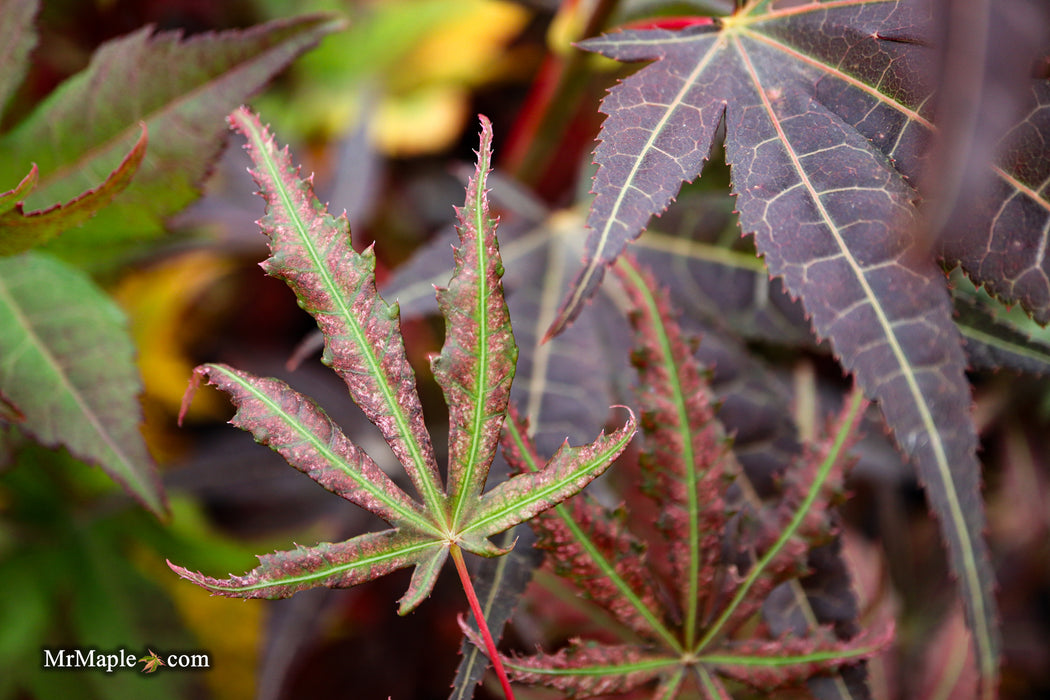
column 152, row 662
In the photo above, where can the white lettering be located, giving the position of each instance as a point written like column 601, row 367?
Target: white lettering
column 56, row 660
column 189, row 661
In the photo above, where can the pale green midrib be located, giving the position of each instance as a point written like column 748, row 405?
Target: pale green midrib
column 541, row 353
column 836, row 72
column 708, row 683
column 331, row 571
column 688, row 457
column 543, row 494
column 375, row 370
column 800, row 600
column 466, row 489
column 409, row 516
column 127, row 469
column 669, row 688
column 587, row 671
column 511, row 251
column 781, row 661
column 599, row 559
column 1005, row 346
column 603, row 236
column 856, row 401
column 687, row 248
column 958, row 521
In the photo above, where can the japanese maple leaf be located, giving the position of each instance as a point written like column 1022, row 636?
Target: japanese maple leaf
column 151, row 662
column 688, row 592
column 311, row 251
column 823, row 104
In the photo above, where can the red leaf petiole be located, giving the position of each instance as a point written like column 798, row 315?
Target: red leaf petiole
column 475, row 607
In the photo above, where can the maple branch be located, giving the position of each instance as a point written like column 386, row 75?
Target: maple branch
column 479, row 616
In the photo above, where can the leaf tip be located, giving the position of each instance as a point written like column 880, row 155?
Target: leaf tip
column 191, row 576
column 582, row 291
column 238, row 118
column 191, row 391
column 630, row 411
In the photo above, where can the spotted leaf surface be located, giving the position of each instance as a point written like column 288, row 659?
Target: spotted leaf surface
column 669, row 576
column 312, row 252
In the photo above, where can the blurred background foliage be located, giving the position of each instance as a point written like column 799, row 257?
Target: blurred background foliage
column 378, row 111
column 383, row 114
column 83, row 566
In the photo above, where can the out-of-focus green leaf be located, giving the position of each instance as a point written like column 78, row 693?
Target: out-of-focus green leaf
column 20, row 231
column 181, row 88
column 72, row 580
column 10, row 199
column 66, row 362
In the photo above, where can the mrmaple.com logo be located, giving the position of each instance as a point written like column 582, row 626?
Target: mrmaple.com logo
column 122, row 659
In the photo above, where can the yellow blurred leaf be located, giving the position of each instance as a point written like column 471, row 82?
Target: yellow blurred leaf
column 424, row 121
column 466, row 49
column 157, row 301
column 229, row 634
column 397, row 58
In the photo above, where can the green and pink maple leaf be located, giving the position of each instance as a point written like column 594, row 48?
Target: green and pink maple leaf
column 311, row 251
column 151, row 662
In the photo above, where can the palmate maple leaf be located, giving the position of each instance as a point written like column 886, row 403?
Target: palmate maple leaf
column 688, row 592
column 828, row 112
column 151, row 662
column 311, row 251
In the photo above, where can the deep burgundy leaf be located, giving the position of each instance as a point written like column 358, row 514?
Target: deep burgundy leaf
column 1002, row 239
column 829, row 211
column 995, row 340
column 987, row 48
